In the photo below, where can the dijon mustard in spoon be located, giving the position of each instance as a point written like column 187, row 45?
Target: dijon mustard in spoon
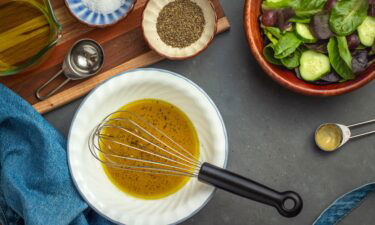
column 331, row 136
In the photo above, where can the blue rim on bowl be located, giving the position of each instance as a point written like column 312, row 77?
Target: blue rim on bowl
column 95, row 19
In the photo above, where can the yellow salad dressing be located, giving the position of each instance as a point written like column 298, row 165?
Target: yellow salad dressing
column 170, row 120
column 328, row 137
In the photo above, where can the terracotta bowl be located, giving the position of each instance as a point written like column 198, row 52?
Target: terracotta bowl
column 286, row 77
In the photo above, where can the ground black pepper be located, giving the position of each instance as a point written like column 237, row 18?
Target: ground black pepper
column 180, row 23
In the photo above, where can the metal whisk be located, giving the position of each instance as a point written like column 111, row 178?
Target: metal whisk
column 147, row 149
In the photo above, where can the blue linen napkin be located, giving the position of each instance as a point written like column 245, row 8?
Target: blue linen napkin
column 35, row 183
column 345, row 204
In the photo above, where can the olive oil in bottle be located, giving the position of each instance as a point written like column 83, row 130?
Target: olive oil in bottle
column 24, row 31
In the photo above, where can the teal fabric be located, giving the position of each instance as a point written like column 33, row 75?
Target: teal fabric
column 35, row 183
column 342, row 206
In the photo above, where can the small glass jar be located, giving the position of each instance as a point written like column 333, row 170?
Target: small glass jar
column 12, row 38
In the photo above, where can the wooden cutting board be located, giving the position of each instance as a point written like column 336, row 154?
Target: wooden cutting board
column 124, row 48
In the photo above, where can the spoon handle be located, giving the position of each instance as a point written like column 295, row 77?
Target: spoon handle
column 43, row 97
column 361, row 123
column 362, row 135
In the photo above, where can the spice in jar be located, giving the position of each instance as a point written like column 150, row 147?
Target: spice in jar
column 180, row 23
column 328, row 137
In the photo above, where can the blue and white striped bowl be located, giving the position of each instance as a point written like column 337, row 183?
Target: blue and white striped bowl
column 95, row 19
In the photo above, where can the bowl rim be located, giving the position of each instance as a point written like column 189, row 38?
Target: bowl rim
column 355, row 84
column 182, row 57
column 100, row 25
column 213, row 105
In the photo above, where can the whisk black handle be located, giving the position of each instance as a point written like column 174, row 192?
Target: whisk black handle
column 289, row 204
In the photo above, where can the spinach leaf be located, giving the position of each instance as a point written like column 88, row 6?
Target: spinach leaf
column 280, row 4
column 287, row 45
column 303, row 8
column 271, row 37
column 296, row 19
column 308, row 8
column 292, row 61
column 347, row 15
column 273, row 34
column 274, row 31
column 269, row 53
column 344, row 52
column 337, row 62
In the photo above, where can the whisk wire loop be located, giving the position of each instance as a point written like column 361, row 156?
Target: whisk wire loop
column 113, row 154
column 184, row 163
column 190, row 156
column 145, row 140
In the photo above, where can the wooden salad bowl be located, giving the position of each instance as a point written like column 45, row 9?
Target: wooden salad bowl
column 285, row 77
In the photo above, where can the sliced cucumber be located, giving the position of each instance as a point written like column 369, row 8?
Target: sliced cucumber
column 366, row 31
column 303, row 31
column 314, row 65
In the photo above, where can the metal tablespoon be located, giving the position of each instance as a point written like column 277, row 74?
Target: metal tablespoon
column 331, row 136
column 84, row 59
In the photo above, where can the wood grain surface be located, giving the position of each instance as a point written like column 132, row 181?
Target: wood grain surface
column 124, row 49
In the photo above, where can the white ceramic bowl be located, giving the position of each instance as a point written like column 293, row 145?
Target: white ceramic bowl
column 88, row 174
column 150, row 17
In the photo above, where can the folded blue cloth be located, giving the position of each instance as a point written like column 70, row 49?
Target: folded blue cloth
column 36, row 187
column 342, row 206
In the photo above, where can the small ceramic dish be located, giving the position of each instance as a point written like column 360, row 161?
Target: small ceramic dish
column 88, row 174
column 90, row 17
column 285, row 77
column 150, row 16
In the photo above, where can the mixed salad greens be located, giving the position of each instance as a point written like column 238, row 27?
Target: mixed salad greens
column 324, row 41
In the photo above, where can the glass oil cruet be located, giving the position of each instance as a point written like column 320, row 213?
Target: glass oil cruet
column 28, row 32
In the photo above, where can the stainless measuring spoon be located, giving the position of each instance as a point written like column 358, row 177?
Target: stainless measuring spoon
column 340, row 132
column 84, row 59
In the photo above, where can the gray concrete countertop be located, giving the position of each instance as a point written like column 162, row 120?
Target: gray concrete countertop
column 270, row 133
